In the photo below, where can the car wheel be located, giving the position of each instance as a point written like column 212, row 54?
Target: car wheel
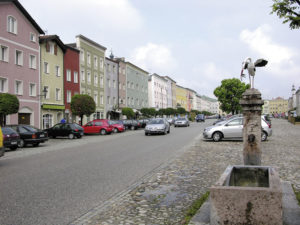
column 21, row 143
column 165, row 131
column 71, row 136
column 217, row 136
column 146, row 133
column 264, row 136
column 115, row 130
column 79, row 136
column 35, row 144
column 13, row 147
column 102, row 132
column 53, row 136
column 169, row 131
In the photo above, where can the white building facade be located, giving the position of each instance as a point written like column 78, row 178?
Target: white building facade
column 158, row 92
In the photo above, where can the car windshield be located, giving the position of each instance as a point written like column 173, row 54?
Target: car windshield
column 7, row 130
column 29, row 128
column 181, row 119
column 156, row 121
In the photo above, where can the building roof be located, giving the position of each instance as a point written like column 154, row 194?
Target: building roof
column 91, row 41
column 26, row 14
column 208, row 98
column 55, row 38
column 169, row 78
column 72, row 47
column 155, row 74
column 131, row 64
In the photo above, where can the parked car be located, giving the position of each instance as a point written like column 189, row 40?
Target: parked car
column 200, row 118
column 2, row 149
column 233, row 129
column 143, row 122
column 11, row 138
column 131, row 124
column 117, row 126
column 267, row 118
column 157, row 126
column 70, row 130
column 98, row 126
column 171, row 120
column 29, row 135
column 181, row 122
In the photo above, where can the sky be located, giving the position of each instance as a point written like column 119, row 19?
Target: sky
column 195, row 42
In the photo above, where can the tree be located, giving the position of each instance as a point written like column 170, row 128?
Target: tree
column 82, row 105
column 289, row 10
column 181, row 110
column 170, row 111
column 128, row 112
column 229, row 94
column 9, row 104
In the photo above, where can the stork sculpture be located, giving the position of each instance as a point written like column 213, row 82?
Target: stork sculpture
column 250, row 66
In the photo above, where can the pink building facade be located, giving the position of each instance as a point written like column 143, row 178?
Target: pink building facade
column 20, row 61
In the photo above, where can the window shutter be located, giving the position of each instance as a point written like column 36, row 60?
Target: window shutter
column 55, row 49
column 47, row 47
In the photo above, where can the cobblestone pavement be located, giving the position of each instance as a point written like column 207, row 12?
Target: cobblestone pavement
column 164, row 197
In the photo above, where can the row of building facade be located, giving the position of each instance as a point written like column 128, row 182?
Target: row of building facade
column 44, row 73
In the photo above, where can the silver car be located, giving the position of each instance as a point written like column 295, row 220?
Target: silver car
column 181, row 122
column 233, row 129
column 157, row 126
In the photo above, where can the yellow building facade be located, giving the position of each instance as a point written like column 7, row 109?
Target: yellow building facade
column 278, row 105
column 181, row 97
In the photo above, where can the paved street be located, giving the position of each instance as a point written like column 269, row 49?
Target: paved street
column 164, row 197
column 63, row 179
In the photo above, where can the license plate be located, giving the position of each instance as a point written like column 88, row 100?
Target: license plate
column 42, row 135
column 13, row 142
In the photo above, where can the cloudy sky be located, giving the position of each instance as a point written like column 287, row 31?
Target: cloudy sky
column 197, row 43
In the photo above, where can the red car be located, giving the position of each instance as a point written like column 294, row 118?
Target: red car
column 100, row 126
column 117, row 126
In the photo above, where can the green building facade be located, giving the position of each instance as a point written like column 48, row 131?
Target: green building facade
column 52, row 80
column 137, row 87
column 92, row 75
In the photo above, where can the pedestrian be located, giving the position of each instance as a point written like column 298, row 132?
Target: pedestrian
column 63, row 120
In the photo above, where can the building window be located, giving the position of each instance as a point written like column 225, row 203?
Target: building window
column 88, row 58
column 114, row 101
column 57, row 94
column 101, row 63
column 18, row 87
column 46, row 67
column 128, row 84
column 19, row 58
column 75, row 77
column 3, row 85
column 48, row 92
column 96, row 99
column 101, row 81
column 108, row 100
column 69, row 95
column 95, row 62
column 32, row 61
column 11, row 25
column 47, row 121
column 32, row 89
column 96, row 80
column 101, row 99
column 69, row 75
column 124, row 87
column 82, row 75
column 81, row 55
column 32, row 37
column 57, row 71
column 4, row 53
column 52, row 48
column 114, row 83
column 108, row 82
column 89, row 77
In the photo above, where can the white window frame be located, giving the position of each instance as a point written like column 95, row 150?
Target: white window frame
column 57, row 71
column 19, row 57
column 48, row 92
column 32, row 37
column 51, row 48
column 101, row 63
column 101, row 81
column 4, row 53
column 69, row 96
column 3, row 85
column 32, row 61
column 114, row 83
column 18, row 89
column 88, row 56
column 108, row 100
column 46, row 68
column 12, row 24
column 75, row 74
column 82, row 74
column 88, row 77
column 95, row 62
column 32, row 89
column 108, row 82
column 96, row 98
column 57, row 94
column 96, row 79
column 68, row 77
column 101, row 100
column 81, row 55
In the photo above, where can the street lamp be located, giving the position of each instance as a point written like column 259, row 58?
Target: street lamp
column 44, row 91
